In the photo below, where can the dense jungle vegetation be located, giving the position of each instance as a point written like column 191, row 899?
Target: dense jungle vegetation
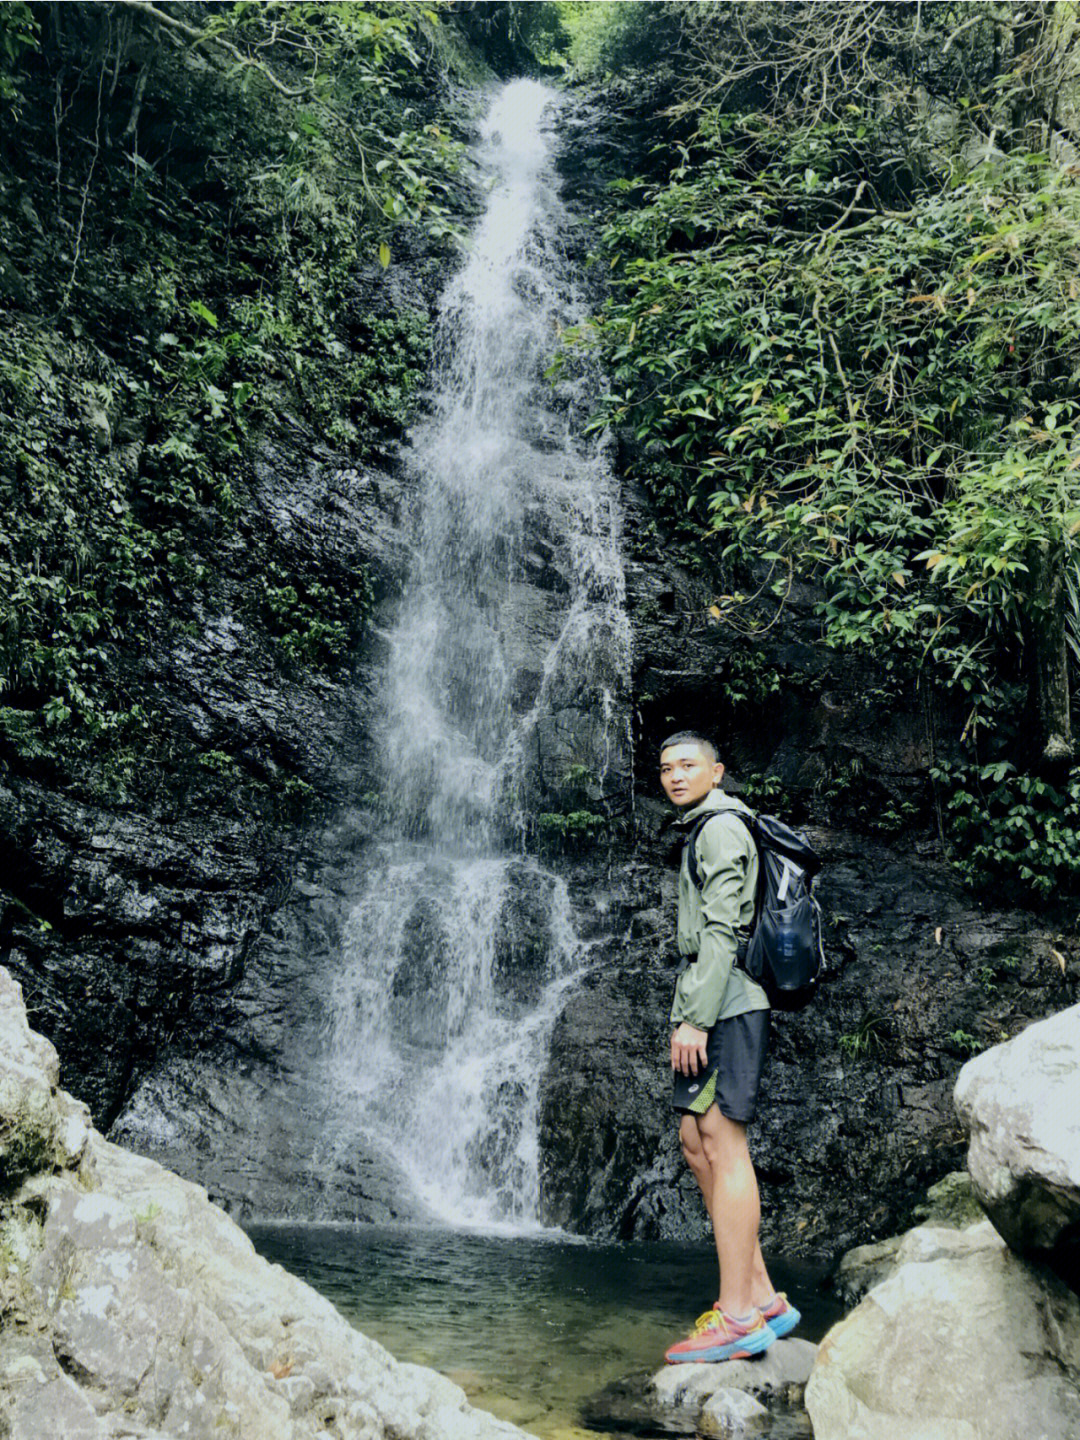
column 187, row 193
column 842, row 337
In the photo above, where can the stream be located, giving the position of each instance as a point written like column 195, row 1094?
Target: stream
column 534, row 1328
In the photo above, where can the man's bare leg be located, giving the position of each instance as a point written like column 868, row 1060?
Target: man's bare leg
column 692, row 1132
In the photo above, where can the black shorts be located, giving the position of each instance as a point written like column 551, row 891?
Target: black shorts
column 732, row 1073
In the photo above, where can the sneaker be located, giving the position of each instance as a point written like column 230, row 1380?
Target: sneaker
column 780, row 1316
column 718, row 1337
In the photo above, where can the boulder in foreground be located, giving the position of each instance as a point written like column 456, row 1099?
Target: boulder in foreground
column 132, row 1307
column 1020, row 1103
column 733, row 1398
column 962, row 1341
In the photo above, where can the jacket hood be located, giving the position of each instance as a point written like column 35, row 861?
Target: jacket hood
column 715, row 800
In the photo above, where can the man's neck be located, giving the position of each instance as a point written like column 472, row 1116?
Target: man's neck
column 707, row 802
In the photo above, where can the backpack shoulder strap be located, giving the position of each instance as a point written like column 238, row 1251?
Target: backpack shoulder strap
column 690, row 843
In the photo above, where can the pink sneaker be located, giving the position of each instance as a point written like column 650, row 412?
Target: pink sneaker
column 780, row 1316
column 718, row 1337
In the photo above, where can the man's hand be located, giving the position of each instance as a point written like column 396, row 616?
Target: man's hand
column 689, row 1049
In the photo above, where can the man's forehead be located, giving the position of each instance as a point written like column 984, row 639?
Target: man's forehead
column 684, row 751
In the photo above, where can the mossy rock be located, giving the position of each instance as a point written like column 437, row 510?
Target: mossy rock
column 951, row 1202
column 28, row 1127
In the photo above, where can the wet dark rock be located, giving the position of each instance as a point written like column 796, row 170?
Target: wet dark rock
column 420, row 1006
column 856, row 1119
column 523, row 942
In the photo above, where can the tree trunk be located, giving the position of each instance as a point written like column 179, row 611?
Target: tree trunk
column 1049, row 667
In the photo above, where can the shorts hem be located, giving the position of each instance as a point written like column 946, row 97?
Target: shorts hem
column 737, row 1119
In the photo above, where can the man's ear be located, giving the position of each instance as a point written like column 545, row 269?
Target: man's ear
column 717, row 774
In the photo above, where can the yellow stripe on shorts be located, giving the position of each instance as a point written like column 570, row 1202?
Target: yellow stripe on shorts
column 706, row 1098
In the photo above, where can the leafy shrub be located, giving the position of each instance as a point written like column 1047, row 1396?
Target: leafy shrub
column 1013, row 834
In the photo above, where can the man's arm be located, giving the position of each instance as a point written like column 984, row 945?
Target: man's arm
column 724, row 852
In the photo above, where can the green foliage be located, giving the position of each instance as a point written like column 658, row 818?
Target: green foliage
column 78, row 557
column 579, row 777
column 834, row 402
column 866, row 1039
column 19, row 32
column 219, row 762
column 570, row 831
column 749, row 678
column 843, row 341
column 766, row 792
column 965, row 1042
column 1015, row 835
column 992, row 975
column 312, row 623
column 166, row 299
column 622, row 45
column 573, row 823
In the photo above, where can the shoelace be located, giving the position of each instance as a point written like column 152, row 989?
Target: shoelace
column 716, row 1320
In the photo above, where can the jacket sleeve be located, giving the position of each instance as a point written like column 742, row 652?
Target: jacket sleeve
column 724, row 853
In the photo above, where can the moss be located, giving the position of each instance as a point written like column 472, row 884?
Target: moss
column 27, row 1131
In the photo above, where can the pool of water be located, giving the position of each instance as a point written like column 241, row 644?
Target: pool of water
column 531, row 1327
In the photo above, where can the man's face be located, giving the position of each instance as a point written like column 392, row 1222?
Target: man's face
column 687, row 774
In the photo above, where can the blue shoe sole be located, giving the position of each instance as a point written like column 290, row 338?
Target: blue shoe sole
column 784, row 1323
column 752, row 1344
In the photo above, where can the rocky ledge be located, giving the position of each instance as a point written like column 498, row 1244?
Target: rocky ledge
column 130, row 1306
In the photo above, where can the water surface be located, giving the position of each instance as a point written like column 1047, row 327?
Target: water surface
column 531, row 1326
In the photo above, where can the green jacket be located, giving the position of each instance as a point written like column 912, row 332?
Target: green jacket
column 711, row 989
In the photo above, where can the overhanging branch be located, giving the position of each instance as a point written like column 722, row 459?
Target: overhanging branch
column 206, row 37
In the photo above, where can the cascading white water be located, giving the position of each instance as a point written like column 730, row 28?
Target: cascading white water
column 459, row 952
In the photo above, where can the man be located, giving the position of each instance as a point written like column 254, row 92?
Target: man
column 721, row 1020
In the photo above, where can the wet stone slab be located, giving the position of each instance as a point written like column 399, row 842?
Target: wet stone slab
column 758, row 1397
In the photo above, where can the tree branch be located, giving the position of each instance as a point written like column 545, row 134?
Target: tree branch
column 204, row 37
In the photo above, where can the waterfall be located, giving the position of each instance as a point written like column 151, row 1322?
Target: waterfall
column 508, row 669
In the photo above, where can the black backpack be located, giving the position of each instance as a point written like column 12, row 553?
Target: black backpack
column 783, row 950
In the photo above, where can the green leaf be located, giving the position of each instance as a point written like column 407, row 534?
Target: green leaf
column 198, row 309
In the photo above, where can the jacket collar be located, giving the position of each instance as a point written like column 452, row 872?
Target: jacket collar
column 715, row 800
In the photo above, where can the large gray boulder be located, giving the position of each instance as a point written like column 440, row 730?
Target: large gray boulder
column 1020, row 1103
column 951, row 1202
column 131, row 1306
column 963, row 1341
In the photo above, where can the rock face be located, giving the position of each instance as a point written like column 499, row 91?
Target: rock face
column 170, row 953
column 1019, row 1103
column 858, row 1086
column 131, row 1306
column 962, row 1341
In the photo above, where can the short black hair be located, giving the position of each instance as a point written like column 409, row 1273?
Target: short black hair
column 690, row 737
